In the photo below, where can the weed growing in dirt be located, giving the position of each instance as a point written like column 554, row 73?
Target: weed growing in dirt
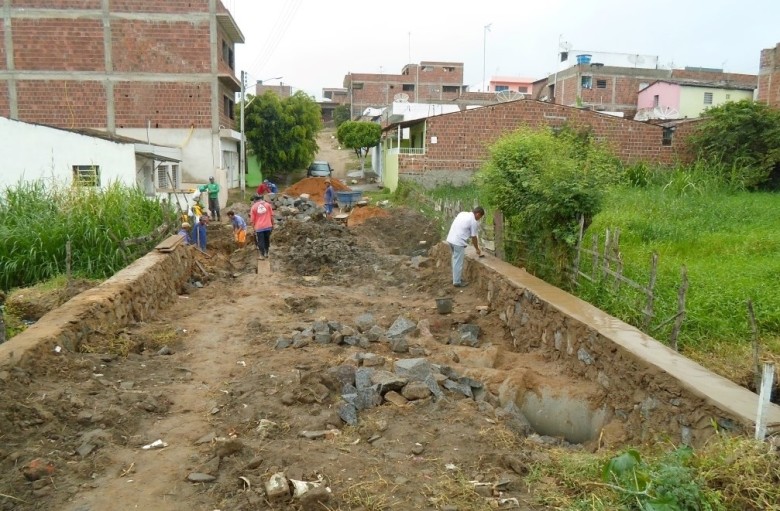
column 727, row 473
column 453, row 488
column 37, row 221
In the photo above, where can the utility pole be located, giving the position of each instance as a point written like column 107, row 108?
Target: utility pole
column 242, row 179
column 484, row 52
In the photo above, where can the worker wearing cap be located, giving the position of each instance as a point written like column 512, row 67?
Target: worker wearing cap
column 184, row 232
column 199, row 232
column 213, row 190
column 330, row 198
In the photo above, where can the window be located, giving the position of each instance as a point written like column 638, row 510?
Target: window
column 451, row 88
column 229, row 110
column 728, row 97
column 586, row 82
column 601, row 84
column 426, row 69
column 227, row 54
column 168, row 176
column 666, row 138
column 656, row 100
column 523, row 89
column 357, row 86
column 499, row 88
column 408, row 86
column 708, row 98
column 86, row 175
column 448, row 69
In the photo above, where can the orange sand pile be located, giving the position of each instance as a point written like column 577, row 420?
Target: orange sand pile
column 360, row 215
column 315, row 187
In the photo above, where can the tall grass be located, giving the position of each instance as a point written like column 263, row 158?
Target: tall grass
column 37, row 220
column 729, row 241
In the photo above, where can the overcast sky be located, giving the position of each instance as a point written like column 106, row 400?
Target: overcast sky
column 313, row 43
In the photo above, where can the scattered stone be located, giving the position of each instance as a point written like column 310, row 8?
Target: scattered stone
column 199, row 477
column 515, row 419
column 277, row 487
column 282, row 343
column 365, row 322
column 387, row 381
column 395, row 398
column 348, row 414
column 301, row 342
column 315, row 435
column 414, row 369
column 372, row 360
column 253, row 464
column 363, row 377
column 368, row 398
column 322, row 337
column 85, row 449
column 401, row 326
column 418, row 449
column 127, row 385
column 373, row 438
column 433, row 386
column 315, row 499
column 399, row 344
column 337, row 338
column 416, row 390
column 458, row 387
column 165, row 350
column 417, row 351
column 420, row 261
column 206, row 439
column 375, row 333
column 320, row 326
column 352, row 340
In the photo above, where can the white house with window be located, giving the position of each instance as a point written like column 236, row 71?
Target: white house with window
column 681, row 99
column 85, row 157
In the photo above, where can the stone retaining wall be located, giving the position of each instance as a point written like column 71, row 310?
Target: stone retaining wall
column 652, row 389
column 136, row 293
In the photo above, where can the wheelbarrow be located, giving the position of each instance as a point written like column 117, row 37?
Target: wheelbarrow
column 348, row 199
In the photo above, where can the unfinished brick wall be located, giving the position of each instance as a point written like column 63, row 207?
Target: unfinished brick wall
column 166, row 105
column 463, row 137
column 160, row 46
column 769, row 77
column 57, row 4
column 69, row 104
column 69, row 37
column 58, row 44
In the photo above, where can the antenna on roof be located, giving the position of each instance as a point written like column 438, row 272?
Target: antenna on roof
column 401, row 97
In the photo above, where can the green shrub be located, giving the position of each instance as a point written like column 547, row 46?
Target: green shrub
column 37, row 221
column 543, row 183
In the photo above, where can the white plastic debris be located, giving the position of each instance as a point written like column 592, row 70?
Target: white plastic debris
column 157, row 444
column 302, row 487
column 241, row 363
column 57, row 349
column 451, row 466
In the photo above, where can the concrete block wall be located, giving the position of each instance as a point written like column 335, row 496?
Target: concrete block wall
column 769, row 77
column 654, row 391
column 136, row 293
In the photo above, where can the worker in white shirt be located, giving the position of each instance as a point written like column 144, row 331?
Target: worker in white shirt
column 465, row 226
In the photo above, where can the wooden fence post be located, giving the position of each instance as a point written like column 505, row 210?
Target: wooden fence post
column 648, row 312
column 767, row 379
column 498, row 234
column 756, row 345
column 578, row 253
column 595, row 253
column 678, row 321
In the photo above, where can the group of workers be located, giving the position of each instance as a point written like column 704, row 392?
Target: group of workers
column 464, row 228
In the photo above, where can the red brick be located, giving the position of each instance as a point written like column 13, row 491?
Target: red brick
column 160, row 47
column 75, row 105
column 58, row 44
column 165, row 105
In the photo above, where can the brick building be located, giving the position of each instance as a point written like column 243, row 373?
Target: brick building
column 426, row 81
column 608, row 88
column 769, row 77
column 281, row 90
column 161, row 71
column 451, row 147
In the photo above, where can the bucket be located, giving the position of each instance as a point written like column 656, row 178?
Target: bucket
column 444, row 305
column 584, row 58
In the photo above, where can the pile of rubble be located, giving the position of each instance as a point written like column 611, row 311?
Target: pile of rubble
column 301, row 209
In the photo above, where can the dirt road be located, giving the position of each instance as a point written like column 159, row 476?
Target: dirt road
column 252, row 374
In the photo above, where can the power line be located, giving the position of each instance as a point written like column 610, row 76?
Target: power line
column 276, row 35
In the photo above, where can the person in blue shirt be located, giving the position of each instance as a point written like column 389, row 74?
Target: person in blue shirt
column 272, row 188
column 199, row 233
column 184, row 232
column 239, row 228
column 330, row 198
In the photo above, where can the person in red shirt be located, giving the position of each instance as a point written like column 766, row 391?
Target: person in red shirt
column 261, row 215
column 263, row 188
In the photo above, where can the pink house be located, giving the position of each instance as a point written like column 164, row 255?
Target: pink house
column 511, row 83
column 679, row 99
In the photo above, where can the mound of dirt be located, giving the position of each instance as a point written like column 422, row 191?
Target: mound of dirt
column 404, row 231
column 315, row 187
column 360, row 215
column 31, row 303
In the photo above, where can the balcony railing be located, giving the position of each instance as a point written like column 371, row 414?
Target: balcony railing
column 412, row 150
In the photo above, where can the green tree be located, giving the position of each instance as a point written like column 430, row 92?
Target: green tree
column 359, row 136
column 544, row 183
column 282, row 133
column 341, row 114
column 741, row 138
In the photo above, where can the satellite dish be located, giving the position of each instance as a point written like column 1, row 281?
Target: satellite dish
column 401, row 97
column 509, row 95
column 565, row 46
